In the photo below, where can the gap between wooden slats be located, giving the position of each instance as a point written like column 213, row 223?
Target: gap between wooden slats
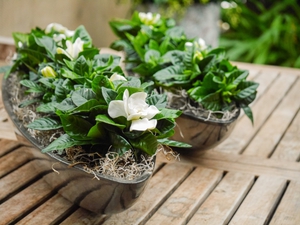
column 260, row 202
column 288, row 211
column 224, row 200
column 244, row 163
column 7, row 146
column 17, row 158
column 19, row 179
column 25, row 202
column 52, row 211
column 289, row 146
column 183, row 203
column 159, row 188
column 244, row 131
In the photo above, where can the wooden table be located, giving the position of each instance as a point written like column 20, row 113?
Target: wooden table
column 251, row 178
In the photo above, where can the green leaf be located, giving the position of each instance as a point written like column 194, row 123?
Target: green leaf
column 81, row 67
column 75, row 126
column 147, row 143
column 159, row 101
column 100, row 81
column 168, row 113
column 119, row 144
column 248, row 88
column 28, row 102
column 46, row 108
column 44, row 123
column 33, row 87
column 165, row 128
column 63, row 142
column 241, row 77
column 81, row 33
column 248, row 112
column 88, row 106
column 172, row 143
column 97, row 131
column 82, row 95
column 48, row 43
column 107, row 120
column 66, row 105
column 212, row 102
column 108, row 94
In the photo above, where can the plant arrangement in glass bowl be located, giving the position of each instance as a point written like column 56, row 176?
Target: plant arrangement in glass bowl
column 76, row 105
column 198, row 79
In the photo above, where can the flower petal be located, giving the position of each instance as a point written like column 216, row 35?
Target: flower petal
column 116, row 109
column 151, row 112
column 143, row 124
column 116, row 76
column 137, row 104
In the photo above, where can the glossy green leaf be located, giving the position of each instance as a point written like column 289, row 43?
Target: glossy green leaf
column 44, row 123
column 63, row 142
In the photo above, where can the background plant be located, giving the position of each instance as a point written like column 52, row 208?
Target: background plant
column 146, row 41
column 175, row 63
column 264, row 32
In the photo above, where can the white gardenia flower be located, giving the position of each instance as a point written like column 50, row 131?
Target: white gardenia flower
column 149, row 18
column 136, row 110
column 202, row 44
column 116, row 76
column 59, row 28
column 73, row 49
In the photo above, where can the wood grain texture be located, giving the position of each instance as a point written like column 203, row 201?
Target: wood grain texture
column 224, row 200
column 289, row 147
column 17, row 158
column 268, row 138
column 25, row 200
column 182, row 204
column 261, row 201
column 18, row 179
column 287, row 212
column 48, row 212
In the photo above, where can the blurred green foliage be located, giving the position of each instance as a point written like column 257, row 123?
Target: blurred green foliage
column 263, row 32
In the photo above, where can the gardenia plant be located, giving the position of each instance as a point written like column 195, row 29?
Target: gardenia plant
column 203, row 77
column 84, row 100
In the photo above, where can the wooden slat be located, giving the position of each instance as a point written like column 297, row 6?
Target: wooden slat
column 288, row 211
column 181, row 205
column 267, row 138
column 224, row 200
column 50, row 212
column 18, row 178
column 261, row 202
column 7, row 146
column 243, row 163
column 268, row 68
column 18, row 205
column 17, row 158
column 289, row 147
column 158, row 189
column 244, row 131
